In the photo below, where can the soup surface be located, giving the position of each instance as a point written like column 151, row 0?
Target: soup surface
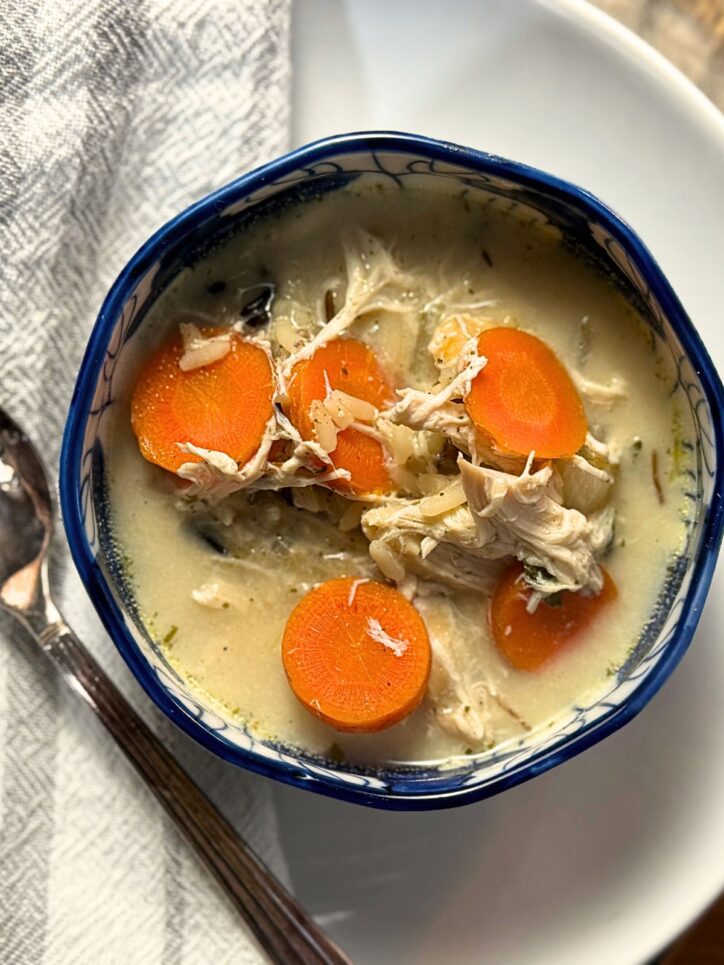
column 438, row 290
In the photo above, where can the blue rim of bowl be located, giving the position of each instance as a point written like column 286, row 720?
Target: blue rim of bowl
column 108, row 609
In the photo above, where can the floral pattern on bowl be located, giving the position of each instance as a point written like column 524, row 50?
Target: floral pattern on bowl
column 401, row 161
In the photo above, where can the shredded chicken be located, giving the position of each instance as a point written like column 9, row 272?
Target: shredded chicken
column 371, row 270
column 451, row 336
column 398, row 517
column 419, row 422
column 523, row 517
column 449, row 566
column 411, row 455
column 218, row 475
column 201, row 350
column 442, row 411
column 458, row 701
column 416, row 410
column 444, row 548
column 379, row 635
column 425, row 403
column 497, row 515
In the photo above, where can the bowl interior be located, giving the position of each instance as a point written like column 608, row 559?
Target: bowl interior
column 397, row 164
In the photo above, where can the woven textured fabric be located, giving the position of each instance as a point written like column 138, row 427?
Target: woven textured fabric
column 114, row 116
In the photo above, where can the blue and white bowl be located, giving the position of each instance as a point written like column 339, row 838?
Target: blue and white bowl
column 402, row 160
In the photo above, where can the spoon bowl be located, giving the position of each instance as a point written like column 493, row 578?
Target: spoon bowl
column 26, row 525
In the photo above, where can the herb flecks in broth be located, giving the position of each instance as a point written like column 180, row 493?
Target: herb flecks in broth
column 436, row 418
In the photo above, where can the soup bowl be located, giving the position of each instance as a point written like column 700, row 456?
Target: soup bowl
column 400, row 161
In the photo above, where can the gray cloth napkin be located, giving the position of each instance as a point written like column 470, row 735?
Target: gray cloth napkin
column 113, row 116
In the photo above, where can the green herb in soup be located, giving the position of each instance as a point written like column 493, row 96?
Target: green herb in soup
column 383, row 468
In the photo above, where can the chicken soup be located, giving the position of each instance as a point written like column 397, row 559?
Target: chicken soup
column 398, row 476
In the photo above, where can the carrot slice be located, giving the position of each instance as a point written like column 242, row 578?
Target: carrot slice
column 357, row 654
column 529, row 640
column 524, row 399
column 224, row 406
column 351, row 367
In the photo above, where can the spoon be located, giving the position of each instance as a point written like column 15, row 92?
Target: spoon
column 282, row 928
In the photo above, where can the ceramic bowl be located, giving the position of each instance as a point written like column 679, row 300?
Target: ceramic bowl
column 402, row 161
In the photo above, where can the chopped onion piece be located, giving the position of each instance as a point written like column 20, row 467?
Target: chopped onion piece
column 379, row 635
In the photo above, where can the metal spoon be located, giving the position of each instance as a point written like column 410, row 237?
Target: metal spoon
column 282, row 928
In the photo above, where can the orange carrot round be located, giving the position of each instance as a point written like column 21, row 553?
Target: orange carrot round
column 351, row 367
column 524, row 399
column 529, row 640
column 224, row 406
column 357, row 654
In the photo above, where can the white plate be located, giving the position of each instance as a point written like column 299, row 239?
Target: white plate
column 608, row 857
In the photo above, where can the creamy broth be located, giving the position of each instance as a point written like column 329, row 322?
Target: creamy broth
column 494, row 266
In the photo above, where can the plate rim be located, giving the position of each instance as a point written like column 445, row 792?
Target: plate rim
column 627, row 43
column 631, row 50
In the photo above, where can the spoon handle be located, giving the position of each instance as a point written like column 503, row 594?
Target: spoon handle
column 283, row 929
